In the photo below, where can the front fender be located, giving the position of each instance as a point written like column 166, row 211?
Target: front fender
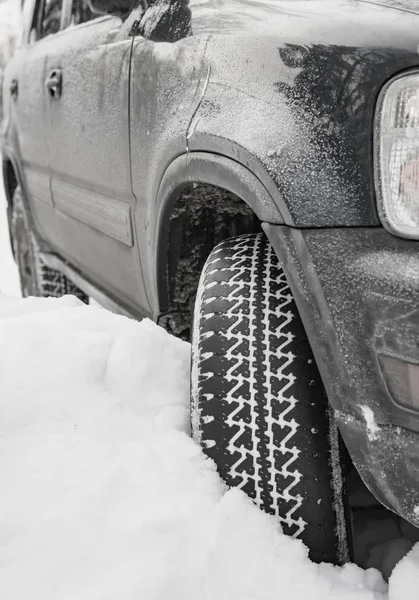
column 207, row 168
column 302, row 117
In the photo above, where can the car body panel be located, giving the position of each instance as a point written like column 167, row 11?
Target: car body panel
column 89, row 157
column 239, row 67
column 309, row 92
column 304, row 74
column 290, row 95
column 167, row 84
column 357, row 293
column 25, row 131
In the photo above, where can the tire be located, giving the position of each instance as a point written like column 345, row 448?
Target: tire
column 36, row 279
column 258, row 406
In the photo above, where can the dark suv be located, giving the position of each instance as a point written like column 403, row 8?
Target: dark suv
column 247, row 170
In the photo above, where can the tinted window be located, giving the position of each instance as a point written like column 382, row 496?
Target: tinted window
column 166, row 21
column 81, row 12
column 51, row 17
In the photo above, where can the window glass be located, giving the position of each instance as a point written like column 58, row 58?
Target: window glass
column 81, row 12
column 51, row 18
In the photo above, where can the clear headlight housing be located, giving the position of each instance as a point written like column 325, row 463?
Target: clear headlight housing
column 397, row 159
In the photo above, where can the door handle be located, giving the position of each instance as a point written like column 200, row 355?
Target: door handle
column 14, row 89
column 53, row 84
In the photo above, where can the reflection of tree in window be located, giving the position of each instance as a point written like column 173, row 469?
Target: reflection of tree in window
column 166, row 20
column 81, row 12
column 51, row 17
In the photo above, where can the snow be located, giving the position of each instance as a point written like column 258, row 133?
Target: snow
column 372, row 426
column 405, row 576
column 122, row 502
column 105, row 495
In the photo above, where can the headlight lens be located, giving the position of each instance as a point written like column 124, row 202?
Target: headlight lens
column 397, row 160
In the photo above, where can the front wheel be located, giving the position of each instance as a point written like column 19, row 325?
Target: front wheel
column 258, row 406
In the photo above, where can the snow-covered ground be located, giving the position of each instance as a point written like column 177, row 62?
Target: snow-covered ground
column 104, row 496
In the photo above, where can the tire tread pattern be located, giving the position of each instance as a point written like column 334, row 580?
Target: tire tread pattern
column 258, row 405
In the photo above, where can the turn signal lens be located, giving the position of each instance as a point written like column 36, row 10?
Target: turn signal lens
column 402, row 379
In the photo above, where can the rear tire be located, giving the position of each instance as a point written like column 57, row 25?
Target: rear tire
column 258, row 406
column 36, row 279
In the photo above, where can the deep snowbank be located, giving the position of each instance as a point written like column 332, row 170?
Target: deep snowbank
column 104, row 495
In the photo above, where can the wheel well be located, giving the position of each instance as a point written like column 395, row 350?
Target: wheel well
column 10, row 180
column 203, row 216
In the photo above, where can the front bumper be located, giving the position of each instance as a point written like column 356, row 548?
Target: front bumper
column 357, row 290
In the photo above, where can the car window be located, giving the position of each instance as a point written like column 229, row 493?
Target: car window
column 80, row 12
column 50, row 17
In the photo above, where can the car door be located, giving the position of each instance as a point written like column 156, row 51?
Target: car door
column 87, row 78
column 168, row 79
column 26, row 112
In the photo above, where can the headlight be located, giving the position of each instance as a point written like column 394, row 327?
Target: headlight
column 397, row 156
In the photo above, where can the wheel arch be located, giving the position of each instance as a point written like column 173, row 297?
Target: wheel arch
column 202, row 168
column 13, row 176
column 11, row 180
column 216, row 145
